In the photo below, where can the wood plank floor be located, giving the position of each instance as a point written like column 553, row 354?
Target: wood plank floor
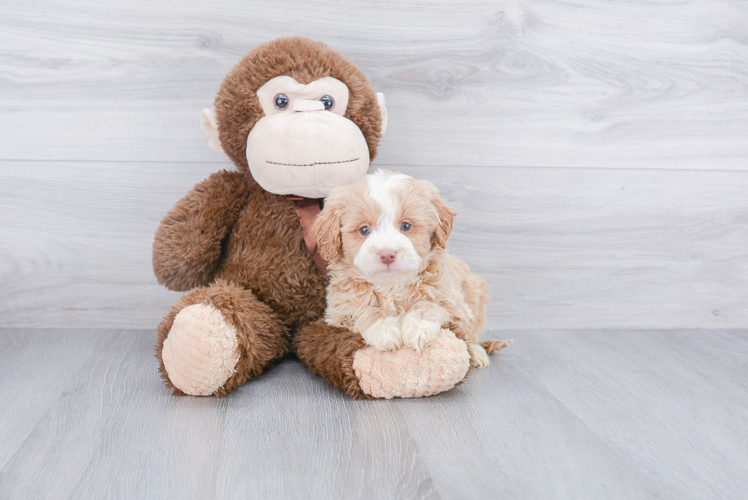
column 586, row 414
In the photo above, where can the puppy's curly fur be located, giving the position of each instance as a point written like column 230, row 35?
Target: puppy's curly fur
column 391, row 277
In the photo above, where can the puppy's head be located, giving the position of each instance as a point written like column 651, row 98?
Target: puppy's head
column 384, row 226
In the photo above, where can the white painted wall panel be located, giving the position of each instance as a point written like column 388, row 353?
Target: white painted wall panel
column 596, row 150
column 577, row 248
column 586, row 83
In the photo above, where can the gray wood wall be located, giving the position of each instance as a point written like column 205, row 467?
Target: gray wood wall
column 597, row 151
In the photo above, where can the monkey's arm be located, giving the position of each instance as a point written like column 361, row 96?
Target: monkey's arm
column 187, row 245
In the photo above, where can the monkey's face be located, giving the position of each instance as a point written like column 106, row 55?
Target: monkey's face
column 298, row 117
column 304, row 145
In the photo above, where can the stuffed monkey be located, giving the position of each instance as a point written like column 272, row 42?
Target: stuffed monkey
column 297, row 118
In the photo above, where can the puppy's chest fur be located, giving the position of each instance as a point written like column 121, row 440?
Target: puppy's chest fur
column 398, row 300
column 441, row 283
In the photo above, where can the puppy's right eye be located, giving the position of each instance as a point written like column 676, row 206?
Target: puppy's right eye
column 364, row 231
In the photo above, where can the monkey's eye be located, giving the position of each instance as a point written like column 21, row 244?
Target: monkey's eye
column 364, row 231
column 328, row 101
column 281, row 101
column 405, row 226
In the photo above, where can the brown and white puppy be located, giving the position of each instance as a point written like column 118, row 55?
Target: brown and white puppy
column 391, row 278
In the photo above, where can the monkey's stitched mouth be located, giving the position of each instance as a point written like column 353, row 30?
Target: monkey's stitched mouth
column 310, row 164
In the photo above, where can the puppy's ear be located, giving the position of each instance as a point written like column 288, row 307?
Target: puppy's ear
column 446, row 220
column 326, row 230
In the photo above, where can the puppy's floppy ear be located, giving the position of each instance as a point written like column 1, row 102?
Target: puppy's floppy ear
column 326, row 229
column 446, row 220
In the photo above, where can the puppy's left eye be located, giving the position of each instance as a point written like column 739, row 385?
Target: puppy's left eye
column 364, row 231
column 405, row 226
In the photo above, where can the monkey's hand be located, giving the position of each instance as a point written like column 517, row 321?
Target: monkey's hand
column 187, row 246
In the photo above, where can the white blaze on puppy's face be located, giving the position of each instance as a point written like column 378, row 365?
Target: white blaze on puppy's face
column 387, row 255
column 396, row 231
column 383, row 227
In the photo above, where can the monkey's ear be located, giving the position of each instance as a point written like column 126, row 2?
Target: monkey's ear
column 209, row 126
column 326, row 230
column 383, row 110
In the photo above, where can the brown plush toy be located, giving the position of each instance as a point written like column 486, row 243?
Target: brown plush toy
column 297, row 119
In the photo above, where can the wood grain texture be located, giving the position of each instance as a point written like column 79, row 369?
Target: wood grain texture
column 584, row 83
column 34, row 371
column 596, row 414
column 577, row 248
column 561, row 414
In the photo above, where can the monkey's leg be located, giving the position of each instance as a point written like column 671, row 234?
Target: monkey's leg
column 216, row 338
column 328, row 352
column 343, row 359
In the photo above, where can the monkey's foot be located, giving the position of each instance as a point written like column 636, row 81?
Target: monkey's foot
column 405, row 373
column 201, row 350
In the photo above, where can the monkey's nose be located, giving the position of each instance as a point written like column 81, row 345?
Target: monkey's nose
column 387, row 256
column 308, row 105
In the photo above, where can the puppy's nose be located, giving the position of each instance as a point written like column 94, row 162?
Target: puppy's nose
column 387, row 256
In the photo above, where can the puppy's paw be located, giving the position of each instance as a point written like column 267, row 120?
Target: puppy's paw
column 479, row 358
column 384, row 335
column 419, row 333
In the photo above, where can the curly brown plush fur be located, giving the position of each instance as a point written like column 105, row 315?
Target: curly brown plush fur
column 188, row 243
column 230, row 232
column 328, row 352
column 262, row 338
column 244, row 245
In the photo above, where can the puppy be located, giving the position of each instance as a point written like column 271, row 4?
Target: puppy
column 391, row 278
